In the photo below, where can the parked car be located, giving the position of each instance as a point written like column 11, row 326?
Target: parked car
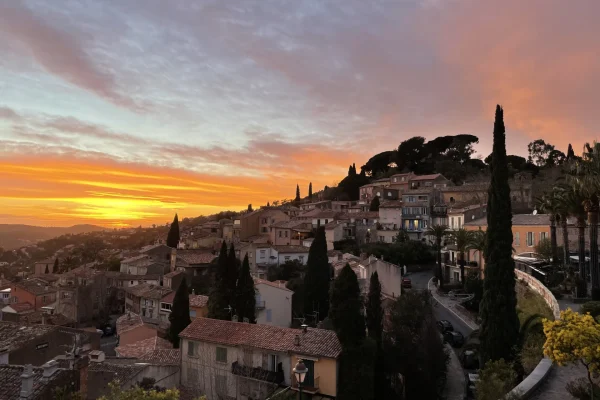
column 455, row 339
column 527, row 257
column 444, row 326
column 471, row 380
column 406, row 283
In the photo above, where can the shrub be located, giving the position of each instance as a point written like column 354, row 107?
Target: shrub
column 580, row 389
column 496, row 379
column 592, row 307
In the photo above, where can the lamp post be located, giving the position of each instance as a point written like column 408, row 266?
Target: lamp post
column 300, row 371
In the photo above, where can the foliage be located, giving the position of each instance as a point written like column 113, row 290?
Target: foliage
column 496, row 379
column 346, row 309
column 544, row 249
column 530, row 303
column 374, row 319
column 291, row 269
column 347, row 246
column 406, row 253
column 580, row 389
column 317, row 278
column 297, row 199
column 379, row 163
column 414, row 347
column 138, row 393
column 544, row 154
column 63, row 393
column 357, row 373
column 401, row 236
column 56, row 266
column 374, row 204
column 296, row 285
column 219, row 299
column 591, row 307
column 350, row 185
column 173, row 235
column 499, row 320
column 246, row 294
column 310, row 194
column 462, row 239
column 474, row 285
column 250, row 209
column 180, row 314
column 438, row 232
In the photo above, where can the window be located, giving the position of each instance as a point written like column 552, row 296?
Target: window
column 427, row 183
column 517, row 238
column 269, row 316
column 286, row 233
column 452, row 222
column 265, row 229
column 263, row 253
column 382, row 239
column 193, row 313
column 191, row 348
column 43, row 299
column 530, row 239
column 280, row 233
column 273, row 361
column 543, row 235
column 286, row 258
column 389, row 194
column 165, row 306
column 395, row 179
column 222, row 354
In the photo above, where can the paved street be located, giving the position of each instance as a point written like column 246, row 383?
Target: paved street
column 107, row 345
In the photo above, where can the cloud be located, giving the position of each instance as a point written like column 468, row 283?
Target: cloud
column 58, row 52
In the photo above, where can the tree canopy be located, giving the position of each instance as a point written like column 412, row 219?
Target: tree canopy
column 245, row 294
column 180, row 313
column 318, row 277
column 346, row 309
column 173, row 235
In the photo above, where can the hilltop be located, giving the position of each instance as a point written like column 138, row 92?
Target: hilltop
column 13, row 236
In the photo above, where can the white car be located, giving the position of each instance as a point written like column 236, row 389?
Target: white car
column 527, row 257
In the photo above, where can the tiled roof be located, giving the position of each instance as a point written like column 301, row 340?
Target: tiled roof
column 173, row 274
column 425, row 190
column 327, row 214
column 151, row 247
column 21, row 307
column 426, row 177
column 196, row 257
column 333, row 225
column 148, row 291
column 46, row 278
column 10, row 376
column 391, row 204
column 518, row 219
column 35, row 287
column 313, row 342
column 333, row 253
column 364, row 215
column 276, row 284
column 50, row 319
column 128, row 321
column 13, row 335
column 100, row 374
column 291, row 249
column 289, row 224
column 5, row 283
column 198, row 300
column 134, row 259
column 142, row 347
column 162, row 356
column 468, row 187
column 310, row 214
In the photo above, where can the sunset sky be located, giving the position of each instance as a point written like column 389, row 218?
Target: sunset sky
column 119, row 112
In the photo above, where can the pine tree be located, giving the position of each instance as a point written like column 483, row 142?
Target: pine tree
column 218, row 300
column 310, row 191
column 318, row 277
column 173, row 236
column 56, row 266
column 498, row 310
column 180, row 314
column 297, row 199
column 346, row 309
column 570, row 153
column 374, row 318
column 374, row 204
column 268, row 204
column 246, row 294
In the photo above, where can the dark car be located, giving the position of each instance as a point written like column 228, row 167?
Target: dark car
column 455, row 339
column 406, row 283
column 444, row 326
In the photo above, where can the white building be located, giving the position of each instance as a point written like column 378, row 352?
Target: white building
column 273, row 303
column 334, row 232
column 291, row 253
column 390, row 275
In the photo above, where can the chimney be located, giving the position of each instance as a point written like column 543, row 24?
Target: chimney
column 193, row 292
column 43, row 318
column 81, row 364
column 246, row 320
column 49, row 369
column 297, row 340
column 304, row 328
column 27, row 382
column 97, row 356
column 234, row 318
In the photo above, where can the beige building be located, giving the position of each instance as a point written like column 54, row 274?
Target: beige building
column 273, row 303
column 289, row 232
column 259, row 222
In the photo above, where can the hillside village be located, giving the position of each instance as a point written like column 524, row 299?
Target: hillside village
column 111, row 294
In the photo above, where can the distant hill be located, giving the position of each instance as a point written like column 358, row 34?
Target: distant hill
column 13, row 236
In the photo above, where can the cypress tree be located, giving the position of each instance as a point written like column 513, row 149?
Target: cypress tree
column 346, row 309
column 246, row 294
column 310, row 191
column 374, row 204
column 374, row 318
column 173, row 236
column 570, row 153
column 250, row 209
column 297, row 193
column 46, row 271
column 268, row 204
column 232, row 276
column 498, row 310
column 218, row 300
column 180, row 314
column 317, row 278
column 56, row 266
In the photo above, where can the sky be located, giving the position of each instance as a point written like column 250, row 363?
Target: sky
column 124, row 112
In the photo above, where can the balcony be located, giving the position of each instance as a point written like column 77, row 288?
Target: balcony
column 310, row 389
column 257, row 373
column 260, row 304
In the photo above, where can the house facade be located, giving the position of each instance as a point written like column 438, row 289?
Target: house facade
column 416, row 211
column 273, row 303
column 225, row 359
column 258, row 222
column 40, row 267
column 35, row 293
column 289, row 232
column 145, row 300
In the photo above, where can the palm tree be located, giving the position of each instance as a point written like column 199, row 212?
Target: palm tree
column 462, row 239
column 439, row 232
column 548, row 204
column 478, row 244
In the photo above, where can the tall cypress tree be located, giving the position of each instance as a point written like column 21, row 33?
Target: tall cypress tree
column 56, row 266
column 346, row 309
column 180, row 314
column 498, row 310
column 218, row 300
column 318, row 277
column 570, row 153
column 374, row 204
column 232, row 276
column 310, row 191
column 46, row 271
column 297, row 193
column 374, row 318
column 173, row 236
column 246, row 294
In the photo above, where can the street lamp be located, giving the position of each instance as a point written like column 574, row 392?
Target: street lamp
column 300, row 371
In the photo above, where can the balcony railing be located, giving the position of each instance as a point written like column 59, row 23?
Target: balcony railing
column 260, row 304
column 257, row 373
column 312, row 389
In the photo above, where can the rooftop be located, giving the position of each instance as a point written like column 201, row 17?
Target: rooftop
column 35, row 287
column 288, row 224
column 313, row 342
column 14, row 335
column 10, row 376
column 139, row 348
column 162, row 356
column 18, row 308
column 291, row 249
column 517, row 219
column 426, row 177
column 391, row 204
column 128, row 321
column 276, row 284
column 148, row 290
column 196, row 300
column 173, row 274
column 37, row 317
column 426, row 190
column 193, row 257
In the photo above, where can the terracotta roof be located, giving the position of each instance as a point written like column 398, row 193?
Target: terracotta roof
column 110, row 371
column 128, row 321
column 518, row 219
column 426, row 177
column 151, row 247
column 10, row 376
column 135, row 258
column 173, row 274
column 289, row 224
column 405, row 174
column 162, row 356
column 333, row 225
column 198, row 300
column 5, row 283
column 276, row 284
column 313, row 342
column 21, row 307
column 391, row 204
column 425, row 190
column 36, row 288
column 196, row 257
column 364, row 215
column 291, row 249
column 138, row 349
column 148, row 290
column 327, row 214
column 50, row 319
column 13, row 335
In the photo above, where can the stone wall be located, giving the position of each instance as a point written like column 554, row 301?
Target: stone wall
column 540, row 289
